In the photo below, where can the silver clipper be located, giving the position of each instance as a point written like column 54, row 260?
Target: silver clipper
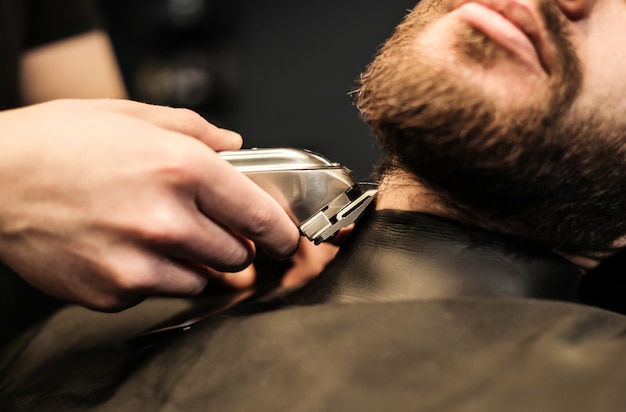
column 320, row 196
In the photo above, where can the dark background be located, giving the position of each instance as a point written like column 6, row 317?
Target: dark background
column 278, row 72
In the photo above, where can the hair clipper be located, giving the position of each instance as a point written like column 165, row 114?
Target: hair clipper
column 320, row 196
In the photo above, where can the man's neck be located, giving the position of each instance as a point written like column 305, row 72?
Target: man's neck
column 400, row 190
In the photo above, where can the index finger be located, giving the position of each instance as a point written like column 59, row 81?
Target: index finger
column 183, row 121
column 229, row 197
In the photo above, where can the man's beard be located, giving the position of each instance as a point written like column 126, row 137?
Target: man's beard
column 539, row 169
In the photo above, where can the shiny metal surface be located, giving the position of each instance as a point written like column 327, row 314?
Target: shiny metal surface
column 317, row 194
column 275, row 159
column 302, row 182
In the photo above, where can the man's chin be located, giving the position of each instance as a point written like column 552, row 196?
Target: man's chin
column 474, row 58
column 493, row 34
column 506, row 84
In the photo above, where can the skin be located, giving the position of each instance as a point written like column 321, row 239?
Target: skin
column 107, row 202
column 82, row 66
column 594, row 28
column 503, row 53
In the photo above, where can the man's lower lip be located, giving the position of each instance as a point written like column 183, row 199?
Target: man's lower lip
column 500, row 30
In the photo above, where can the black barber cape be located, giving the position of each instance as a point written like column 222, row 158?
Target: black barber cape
column 415, row 314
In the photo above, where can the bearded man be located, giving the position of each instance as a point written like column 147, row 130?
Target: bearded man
column 504, row 181
column 508, row 115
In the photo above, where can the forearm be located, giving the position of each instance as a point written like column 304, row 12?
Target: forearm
column 82, row 66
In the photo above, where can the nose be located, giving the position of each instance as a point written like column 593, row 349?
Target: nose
column 575, row 9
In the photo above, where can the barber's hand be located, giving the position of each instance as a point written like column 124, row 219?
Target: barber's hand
column 267, row 276
column 306, row 264
column 105, row 202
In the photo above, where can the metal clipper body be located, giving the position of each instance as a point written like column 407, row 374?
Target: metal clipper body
column 320, row 196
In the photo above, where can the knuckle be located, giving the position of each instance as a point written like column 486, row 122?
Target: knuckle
column 112, row 303
column 177, row 166
column 183, row 168
column 120, row 289
column 198, row 287
column 191, row 120
column 235, row 258
column 128, row 278
column 188, row 114
column 266, row 223
column 262, row 220
column 162, row 225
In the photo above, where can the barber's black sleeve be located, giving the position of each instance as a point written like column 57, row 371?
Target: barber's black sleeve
column 51, row 20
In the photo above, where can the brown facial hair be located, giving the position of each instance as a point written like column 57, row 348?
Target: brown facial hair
column 536, row 169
